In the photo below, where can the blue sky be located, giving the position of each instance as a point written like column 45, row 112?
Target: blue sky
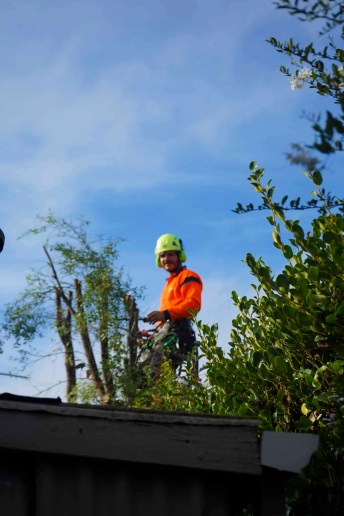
column 143, row 117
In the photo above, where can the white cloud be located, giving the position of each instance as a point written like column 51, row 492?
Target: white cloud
column 116, row 131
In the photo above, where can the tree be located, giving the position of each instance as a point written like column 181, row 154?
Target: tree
column 85, row 299
column 286, row 359
column 323, row 71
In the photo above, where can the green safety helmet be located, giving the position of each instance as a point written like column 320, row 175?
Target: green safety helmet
column 169, row 242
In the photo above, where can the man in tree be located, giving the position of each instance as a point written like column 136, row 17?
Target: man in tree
column 180, row 300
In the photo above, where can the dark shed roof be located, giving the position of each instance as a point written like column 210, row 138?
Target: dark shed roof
column 58, row 459
column 150, row 437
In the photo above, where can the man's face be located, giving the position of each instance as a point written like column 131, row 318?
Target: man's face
column 169, row 260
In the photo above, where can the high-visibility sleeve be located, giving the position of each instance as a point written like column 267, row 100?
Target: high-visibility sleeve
column 181, row 296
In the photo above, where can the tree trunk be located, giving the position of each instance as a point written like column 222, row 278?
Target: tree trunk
column 83, row 330
column 133, row 330
column 104, row 349
column 64, row 329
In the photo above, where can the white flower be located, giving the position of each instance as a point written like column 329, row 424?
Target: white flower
column 305, row 73
column 297, row 81
column 340, row 75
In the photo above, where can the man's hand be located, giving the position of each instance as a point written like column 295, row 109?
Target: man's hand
column 156, row 316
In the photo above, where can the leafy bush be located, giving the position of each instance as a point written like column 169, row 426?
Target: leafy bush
column 286, row 358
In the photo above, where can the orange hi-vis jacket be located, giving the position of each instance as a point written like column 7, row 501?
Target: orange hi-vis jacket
column 181, row 295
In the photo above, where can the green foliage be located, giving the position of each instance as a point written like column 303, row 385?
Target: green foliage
column 331, row 11
column 324, row 67
column 286, row 362
column 289, row 336
column 286, row 358
column 322, row 70
column 80, row 296
column 172, row 392
column 84, row 393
